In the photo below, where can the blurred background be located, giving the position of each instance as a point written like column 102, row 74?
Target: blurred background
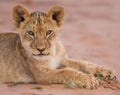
column 91, row 30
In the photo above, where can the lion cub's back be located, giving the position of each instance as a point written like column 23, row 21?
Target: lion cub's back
column 7, row 45
column 10, row 63
column 8, row 39
column 7, row 50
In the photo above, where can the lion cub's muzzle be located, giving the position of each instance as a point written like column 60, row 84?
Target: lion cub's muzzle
column 42, row 52
column 41, row 48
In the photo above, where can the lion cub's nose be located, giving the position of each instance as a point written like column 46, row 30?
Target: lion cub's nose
column 41, row 50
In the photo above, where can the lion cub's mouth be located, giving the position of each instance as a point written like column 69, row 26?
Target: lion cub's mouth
column 41, row 54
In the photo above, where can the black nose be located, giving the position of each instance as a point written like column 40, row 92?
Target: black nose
column 41, row 50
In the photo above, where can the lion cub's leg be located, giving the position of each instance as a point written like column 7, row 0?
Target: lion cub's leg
column 68, row 75
column 89, row 67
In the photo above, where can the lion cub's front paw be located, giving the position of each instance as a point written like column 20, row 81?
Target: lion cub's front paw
column 90, row 82
column 106, row 73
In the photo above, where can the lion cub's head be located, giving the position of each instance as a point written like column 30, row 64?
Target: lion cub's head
column 37, row 29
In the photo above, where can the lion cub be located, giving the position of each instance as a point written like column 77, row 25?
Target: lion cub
column 36, row 55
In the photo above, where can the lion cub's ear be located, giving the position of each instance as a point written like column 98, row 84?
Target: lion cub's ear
column 20, row 15
column 57, row 14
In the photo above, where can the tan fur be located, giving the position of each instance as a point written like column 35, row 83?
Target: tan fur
column 36, row 55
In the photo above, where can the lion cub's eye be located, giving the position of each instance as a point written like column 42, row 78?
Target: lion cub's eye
column 48, row 32
column 31, row 33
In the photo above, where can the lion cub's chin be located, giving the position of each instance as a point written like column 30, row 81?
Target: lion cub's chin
column 40, row 57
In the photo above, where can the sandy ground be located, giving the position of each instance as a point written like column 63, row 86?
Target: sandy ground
column 91, row 31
